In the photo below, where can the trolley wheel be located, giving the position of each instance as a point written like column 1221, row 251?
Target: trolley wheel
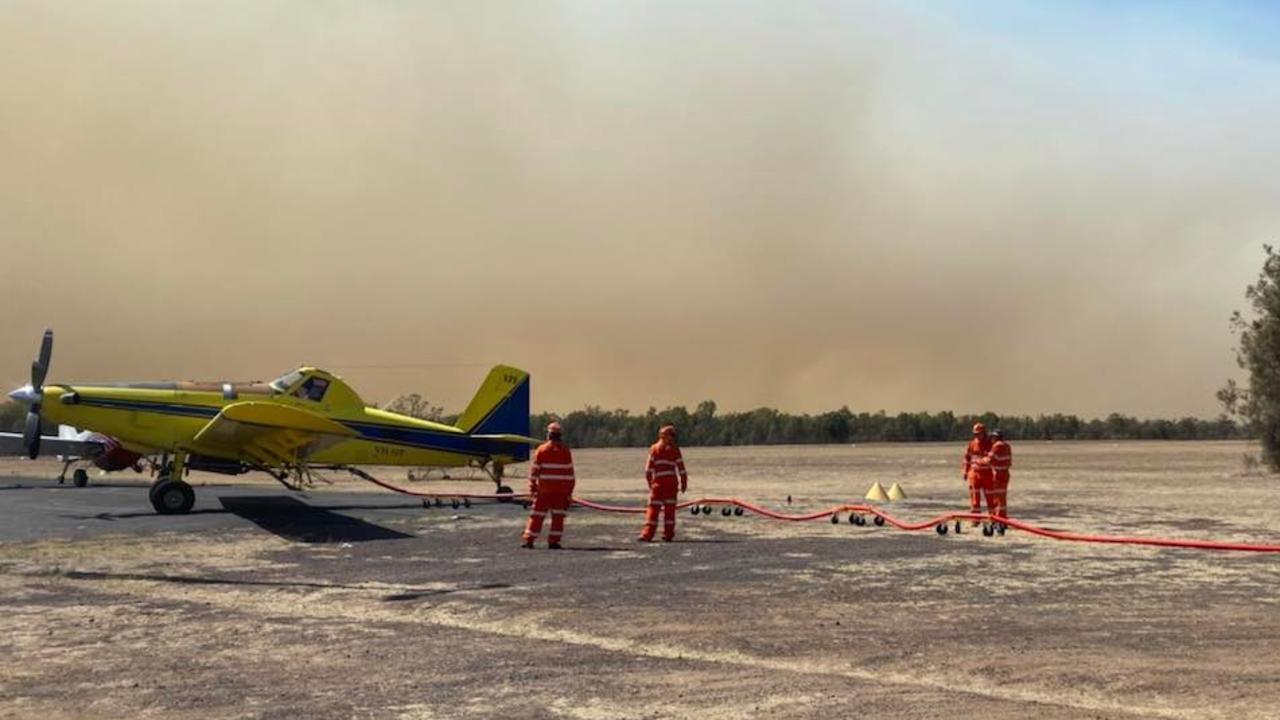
column 988, row 530
column 694, row 510
column 454, row 503
column 726, row 511
column 466, row 502
column 958, row 527
column 879, row 521
column 706, row 509
column 835, row 518
column 941, row 528
column 738, row 511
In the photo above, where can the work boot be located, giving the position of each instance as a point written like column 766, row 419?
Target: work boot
column 527, row 545
column 644, row 539
column 667, row 539
column 553, row 546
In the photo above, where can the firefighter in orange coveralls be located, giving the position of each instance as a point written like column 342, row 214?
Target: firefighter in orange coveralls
column 1000, row 459
column 551, row 483
column 977, row 469
column 665, row 473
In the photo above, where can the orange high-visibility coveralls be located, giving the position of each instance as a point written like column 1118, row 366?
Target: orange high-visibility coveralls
column 977, row 470
column 665, row 473
column 1000, row 460
column 551, row 483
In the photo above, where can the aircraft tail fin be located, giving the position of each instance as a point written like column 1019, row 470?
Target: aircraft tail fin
column 500, row 406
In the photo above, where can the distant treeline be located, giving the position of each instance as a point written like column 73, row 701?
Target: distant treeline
column 594, row 427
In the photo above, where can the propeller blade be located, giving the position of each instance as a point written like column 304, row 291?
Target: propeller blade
column 40, row 368
column 31, row 435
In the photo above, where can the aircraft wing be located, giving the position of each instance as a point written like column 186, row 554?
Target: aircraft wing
column 11, row 444
column 270, row 433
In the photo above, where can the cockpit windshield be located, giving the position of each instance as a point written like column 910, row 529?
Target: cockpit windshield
column 286, row 381
column 312, row 389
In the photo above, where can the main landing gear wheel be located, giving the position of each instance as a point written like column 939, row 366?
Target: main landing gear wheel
column 172, row 497
column 504, row 490
column 80, row 477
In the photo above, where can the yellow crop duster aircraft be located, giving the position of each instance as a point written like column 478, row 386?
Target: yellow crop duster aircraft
column 304, row 420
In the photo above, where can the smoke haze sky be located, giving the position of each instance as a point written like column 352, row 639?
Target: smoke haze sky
column 803, row 205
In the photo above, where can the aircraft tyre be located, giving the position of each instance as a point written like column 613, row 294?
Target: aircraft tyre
column 504, row 490
column 172, row 497
column 80, row 477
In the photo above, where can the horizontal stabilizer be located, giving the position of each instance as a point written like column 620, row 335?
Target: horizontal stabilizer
column 510, row 438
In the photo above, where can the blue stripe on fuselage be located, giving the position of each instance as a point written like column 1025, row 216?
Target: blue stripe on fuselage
column 146, row 406
column 433, row 439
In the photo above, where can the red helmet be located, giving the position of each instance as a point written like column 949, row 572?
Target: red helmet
column 979, row 429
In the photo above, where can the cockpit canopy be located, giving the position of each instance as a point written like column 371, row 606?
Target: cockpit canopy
column 315, row 385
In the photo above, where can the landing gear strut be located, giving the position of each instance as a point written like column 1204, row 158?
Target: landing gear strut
column 495, row 470
column 170, row 495
column 79, row 478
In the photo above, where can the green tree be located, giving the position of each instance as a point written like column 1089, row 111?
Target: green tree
column 414, row 405
column 1258, row 404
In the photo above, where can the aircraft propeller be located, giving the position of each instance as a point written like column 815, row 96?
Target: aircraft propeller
column 32, row 394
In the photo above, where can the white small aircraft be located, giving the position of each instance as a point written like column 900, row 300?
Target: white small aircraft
column 75, row 447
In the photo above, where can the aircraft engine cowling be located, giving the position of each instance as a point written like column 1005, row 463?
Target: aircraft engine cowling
column 114, row 457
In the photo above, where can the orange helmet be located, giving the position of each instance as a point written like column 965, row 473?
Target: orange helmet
column 979, row 429
column 553, row 429
column 668, row 432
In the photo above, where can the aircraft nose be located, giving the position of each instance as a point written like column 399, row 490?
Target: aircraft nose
column 25, row 394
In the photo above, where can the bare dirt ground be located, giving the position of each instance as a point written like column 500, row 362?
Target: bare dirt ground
column 112, row 612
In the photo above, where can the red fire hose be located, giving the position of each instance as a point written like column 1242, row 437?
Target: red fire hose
column 934, row 522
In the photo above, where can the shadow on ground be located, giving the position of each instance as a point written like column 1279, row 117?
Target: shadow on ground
column 297, row 521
